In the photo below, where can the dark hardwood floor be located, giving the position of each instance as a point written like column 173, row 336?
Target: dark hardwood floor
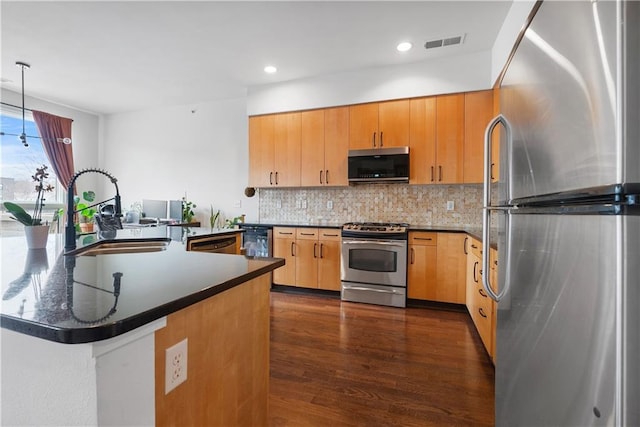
column 347, row 364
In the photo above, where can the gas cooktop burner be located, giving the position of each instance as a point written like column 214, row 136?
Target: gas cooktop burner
column 375, row 227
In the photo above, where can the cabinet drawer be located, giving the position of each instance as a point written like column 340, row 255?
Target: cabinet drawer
column 284, row 232
column 306, row 234
column 423, row 238
column 483, row 318
column 476, row 247
column 329, row 234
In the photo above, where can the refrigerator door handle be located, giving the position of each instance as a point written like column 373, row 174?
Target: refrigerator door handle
column 487, row 153
column 486, row 211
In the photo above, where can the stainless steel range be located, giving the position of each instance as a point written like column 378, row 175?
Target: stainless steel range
column 374, row 263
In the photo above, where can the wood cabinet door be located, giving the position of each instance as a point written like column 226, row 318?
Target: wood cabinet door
column 451, row 268
column 261, row 151
column 287, row 149
column 421, row 273
column 284, row 247
column 329, row 264
column 449, row 138
column 472, row 279
column 495, row 139
column 393, row 123
column 307, row 252
column 336, row 146
column 478, row 112
column 363, row 126
column 422, row 140
column 312, row 148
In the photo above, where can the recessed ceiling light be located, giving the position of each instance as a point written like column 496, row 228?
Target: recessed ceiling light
column 404, row 46
column 270, row 69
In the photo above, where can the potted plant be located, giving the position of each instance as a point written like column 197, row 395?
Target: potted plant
column 35, row 230
column 86, row 212
column 187, row 210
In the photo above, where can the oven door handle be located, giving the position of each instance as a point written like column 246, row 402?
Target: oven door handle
column 359, row 242
column 361, row 288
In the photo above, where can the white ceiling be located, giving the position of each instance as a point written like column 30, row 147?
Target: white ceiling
column 108, row 57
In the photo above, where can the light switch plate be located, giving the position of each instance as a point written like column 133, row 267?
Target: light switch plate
column 450, row 205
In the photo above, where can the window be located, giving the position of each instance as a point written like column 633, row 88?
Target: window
column 18, row 163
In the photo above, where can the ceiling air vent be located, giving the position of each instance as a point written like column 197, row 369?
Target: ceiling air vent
column 448, row 41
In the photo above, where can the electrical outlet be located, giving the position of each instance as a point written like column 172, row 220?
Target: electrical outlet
column 329, row 204
column 175, row 366
column 304, row 204
column 298, row 204
column 450, row 205
column 237, row 204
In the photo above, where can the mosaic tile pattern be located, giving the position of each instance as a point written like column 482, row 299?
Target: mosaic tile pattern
column 415, row 204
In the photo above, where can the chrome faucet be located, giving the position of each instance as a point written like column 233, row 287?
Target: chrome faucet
column 70, row 229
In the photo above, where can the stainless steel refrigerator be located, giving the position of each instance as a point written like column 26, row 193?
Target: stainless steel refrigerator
column 566, row 218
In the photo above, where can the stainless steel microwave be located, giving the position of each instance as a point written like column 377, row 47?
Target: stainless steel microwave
column 379, row 165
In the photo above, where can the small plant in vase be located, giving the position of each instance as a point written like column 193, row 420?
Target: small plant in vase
column 85, row 210
column 187, row 210
column 35, row 230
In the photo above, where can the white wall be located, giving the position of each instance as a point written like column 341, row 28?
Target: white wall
column 199, row 149
column 432, row 77
column 513, row 24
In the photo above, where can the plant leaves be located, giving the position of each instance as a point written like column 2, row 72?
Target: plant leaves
column 19, row 214
column 89, row 196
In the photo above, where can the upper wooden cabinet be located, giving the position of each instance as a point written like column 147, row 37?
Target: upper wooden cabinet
column 422, row 141
column 495, row 139
column 261, row 151
column 378, row 125
column 449, row 138
column 478, row 112
column 437, row 139
column 274, row 150
column 324, row 147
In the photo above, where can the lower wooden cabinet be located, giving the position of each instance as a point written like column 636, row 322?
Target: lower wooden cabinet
column 437, row 267
column 481, row 307
column 312, row 257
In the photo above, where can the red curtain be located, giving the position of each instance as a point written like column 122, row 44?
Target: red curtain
column 53, row 131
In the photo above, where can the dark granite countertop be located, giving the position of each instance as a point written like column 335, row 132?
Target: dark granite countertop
column 71, row 299
column 295, row 224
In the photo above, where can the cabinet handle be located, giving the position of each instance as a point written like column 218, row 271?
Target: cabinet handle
column 431, row 173
column 422, row 238
column 491, row 171
column 464, row 247
column 326, row 177
column 307, row 234
column 374, row 140
column 474, row 246
column 292, row 252
column 270, row 178
column 481, row 311
column 329, row 235
column 321, row 250
column 276, row 177
column 412, row 256
column 282, row 233
column 381, row 139
column 439, row 174
column 482, row 293
column 320, row 177
column 315, row 246
column 475, row 267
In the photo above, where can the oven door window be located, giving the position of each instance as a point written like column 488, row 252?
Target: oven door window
column 375, row 260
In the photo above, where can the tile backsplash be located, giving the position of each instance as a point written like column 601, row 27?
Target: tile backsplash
column 415, row 204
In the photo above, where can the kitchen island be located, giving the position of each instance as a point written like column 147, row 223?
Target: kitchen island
column 84, row 337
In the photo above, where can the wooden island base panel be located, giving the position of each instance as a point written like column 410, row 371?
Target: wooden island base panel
column 228, row 360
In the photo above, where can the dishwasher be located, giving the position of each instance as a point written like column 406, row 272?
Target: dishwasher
column 218, row 244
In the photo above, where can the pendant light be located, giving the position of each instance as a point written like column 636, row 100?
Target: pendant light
column 23, row 135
